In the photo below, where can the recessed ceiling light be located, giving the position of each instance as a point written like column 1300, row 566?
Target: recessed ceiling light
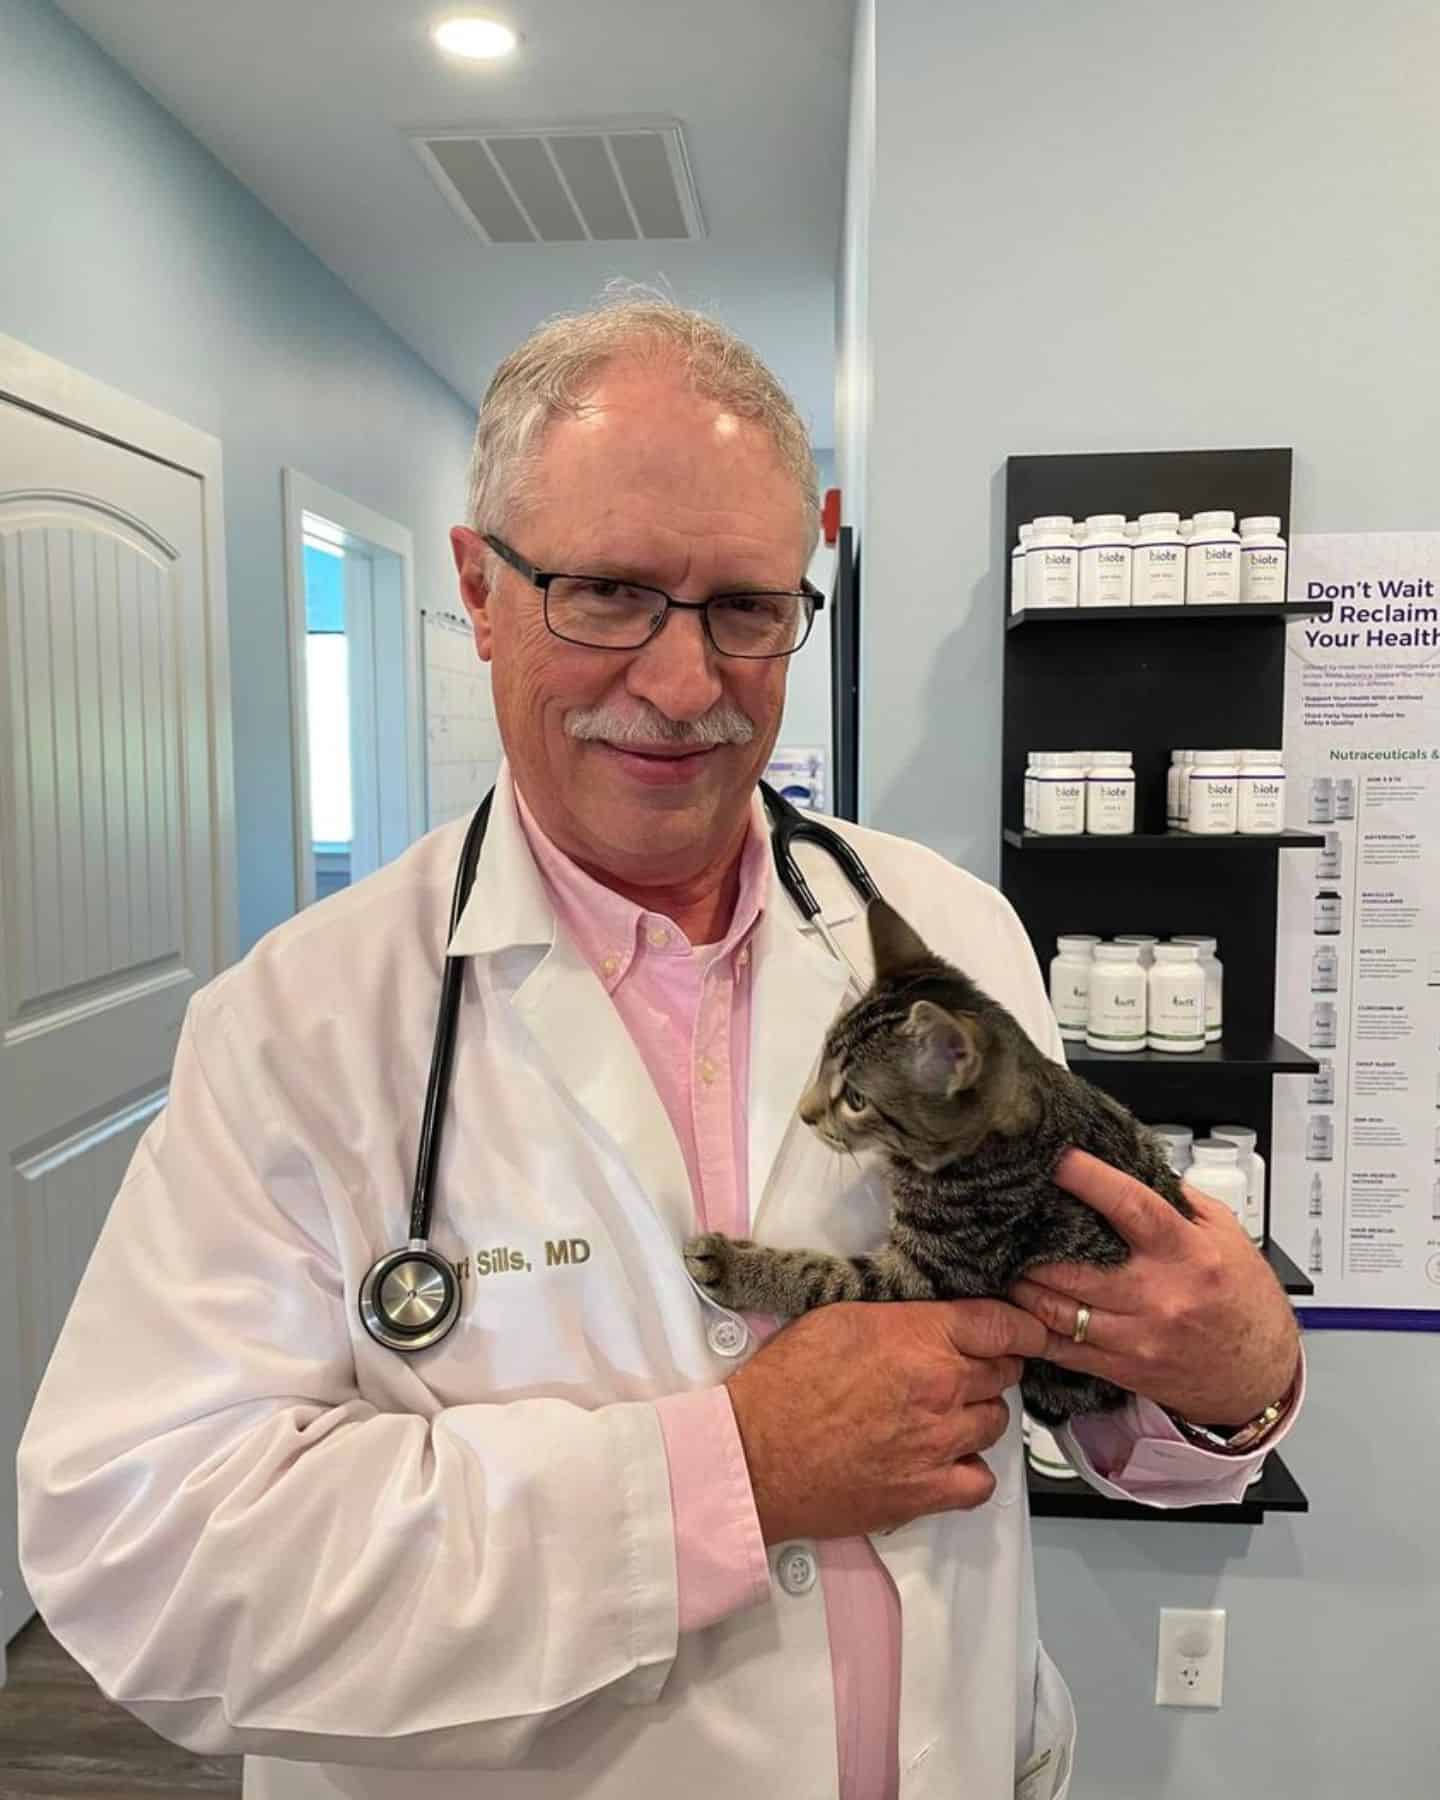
column 475, row 37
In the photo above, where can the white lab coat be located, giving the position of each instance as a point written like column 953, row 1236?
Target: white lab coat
column 452, row 1574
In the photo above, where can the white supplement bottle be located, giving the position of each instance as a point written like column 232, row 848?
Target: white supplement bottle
column 1172, row 790
column 1316, row 1265
column 1212, row 793
column 1322, row 801
column 1320, row 1138
column 1017, row 570
column 1212, row 561
column 1325, row 969
column 1157, row 564
column 1322, row 1084
column 1345, row 797
column 1027, row 789
column 1145, row 945
column 1262, row 561
column 1215, row 1170
column 1052, row 575
column 1214, row 985
column 1327, row 864
column 1070, row 984
column 1105, row 561
column 1060, row 795
column 1177, row 1140
column 1322, row 1025
column 1117, row 1016
column 1260, row 795
column 1110, row 793
column 1177, row 1000
column 1317, row 1195
column 1252, row 1167
column 1182, row 788
column 1327, row 913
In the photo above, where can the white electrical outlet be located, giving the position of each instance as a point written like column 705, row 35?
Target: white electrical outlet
column 1190, row 1669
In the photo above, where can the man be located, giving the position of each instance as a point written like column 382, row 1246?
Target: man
column 588, row 1544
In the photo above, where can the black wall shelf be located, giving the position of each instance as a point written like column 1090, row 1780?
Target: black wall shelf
column 1275, row 1492
column 1071, row 615
column 1270, row 1055
column 1290, row 1275
column 1239, row 843
column 1151, row 680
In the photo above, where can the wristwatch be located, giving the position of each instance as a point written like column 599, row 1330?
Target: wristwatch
column 1233, row 1439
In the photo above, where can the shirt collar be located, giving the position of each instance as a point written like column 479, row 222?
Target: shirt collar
column 611, row 931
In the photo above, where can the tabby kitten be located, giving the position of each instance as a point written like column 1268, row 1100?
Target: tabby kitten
column 971, row 1119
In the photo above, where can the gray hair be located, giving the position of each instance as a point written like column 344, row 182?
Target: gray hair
column 550, row 374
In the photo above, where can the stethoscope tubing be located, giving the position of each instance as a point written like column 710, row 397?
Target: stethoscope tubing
column 422, row 1278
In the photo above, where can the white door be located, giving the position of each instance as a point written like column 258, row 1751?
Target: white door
column 112, row 861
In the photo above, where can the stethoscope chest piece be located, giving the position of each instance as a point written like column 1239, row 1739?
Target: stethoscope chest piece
column 410, row 1299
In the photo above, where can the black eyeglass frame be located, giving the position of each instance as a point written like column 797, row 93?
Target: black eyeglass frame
column 541, row 578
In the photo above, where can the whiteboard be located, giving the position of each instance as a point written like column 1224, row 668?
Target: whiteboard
column 462, row 740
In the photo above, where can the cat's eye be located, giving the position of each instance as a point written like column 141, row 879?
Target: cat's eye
column 852, row 1100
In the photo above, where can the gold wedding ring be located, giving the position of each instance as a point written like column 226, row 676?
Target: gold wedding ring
column 1082, row 1325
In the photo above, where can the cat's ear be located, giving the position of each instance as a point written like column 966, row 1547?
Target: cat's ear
column 895, row 945
column 949, row 1049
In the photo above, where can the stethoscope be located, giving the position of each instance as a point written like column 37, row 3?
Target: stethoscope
column 410, row 1298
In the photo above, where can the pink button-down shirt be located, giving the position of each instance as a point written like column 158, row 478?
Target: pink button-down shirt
column 687, row 1007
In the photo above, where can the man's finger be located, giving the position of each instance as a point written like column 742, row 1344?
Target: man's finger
column 993, row 1328
column 1142, row 1218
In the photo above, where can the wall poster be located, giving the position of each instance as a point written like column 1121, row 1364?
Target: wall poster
column 1356, row 1165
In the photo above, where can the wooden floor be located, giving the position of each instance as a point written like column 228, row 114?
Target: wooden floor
column 60, row 1735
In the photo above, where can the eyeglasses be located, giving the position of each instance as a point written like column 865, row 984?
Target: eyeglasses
column 604, row 613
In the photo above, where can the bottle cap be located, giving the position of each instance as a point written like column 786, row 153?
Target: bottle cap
column 1159, row 521
column 1213, row 759
column 1134, row 937
column 1266, row 526
column 1177, row 953
column 1117, row 953
column 1215, row 1150
column 1076, row 946
column 1215, row 521
column 1173, row 1134
column 1241, row 1135
column 1262, row 756
column 1055, row 522
column 1205, row 945
column 1105, row 522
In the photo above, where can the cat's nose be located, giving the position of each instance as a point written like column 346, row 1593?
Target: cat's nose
column 812, row 1105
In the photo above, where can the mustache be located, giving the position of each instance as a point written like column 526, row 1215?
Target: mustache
column 725, row 723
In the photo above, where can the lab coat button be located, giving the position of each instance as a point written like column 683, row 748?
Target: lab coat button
column 797, row 1568
column 728, row 1337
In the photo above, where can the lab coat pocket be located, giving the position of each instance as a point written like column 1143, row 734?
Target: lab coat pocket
column 1046, row 1775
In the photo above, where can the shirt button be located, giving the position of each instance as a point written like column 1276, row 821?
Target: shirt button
column 707, row 1070
column 658, row 938
column 797, row 1568
column 742, row 956
column 728, row 1337
column 610, row 965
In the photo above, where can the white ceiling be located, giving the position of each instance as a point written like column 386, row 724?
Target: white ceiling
column 308, row 101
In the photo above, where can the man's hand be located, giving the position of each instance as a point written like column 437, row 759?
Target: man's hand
column 858, row 1418
column 1195, row 1320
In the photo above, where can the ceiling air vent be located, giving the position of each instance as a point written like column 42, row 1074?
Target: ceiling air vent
column 567, row 184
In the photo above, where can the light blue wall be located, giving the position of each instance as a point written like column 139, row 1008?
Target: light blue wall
column 1114, row 228
column 128, row 251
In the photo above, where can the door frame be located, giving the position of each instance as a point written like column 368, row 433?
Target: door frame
column 302, row 494
column 43, row 384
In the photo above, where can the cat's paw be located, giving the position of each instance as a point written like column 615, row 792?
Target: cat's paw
column 711, row 1260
